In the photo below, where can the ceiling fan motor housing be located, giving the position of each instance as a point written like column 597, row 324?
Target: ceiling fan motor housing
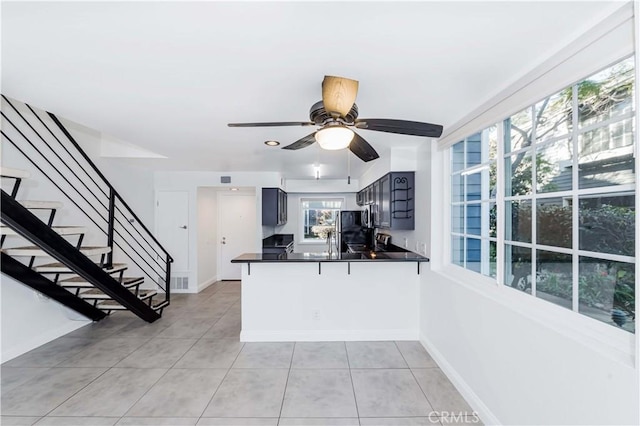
column 320, row 116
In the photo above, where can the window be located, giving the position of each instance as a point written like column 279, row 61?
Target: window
column 568, row 206
column 319, row 216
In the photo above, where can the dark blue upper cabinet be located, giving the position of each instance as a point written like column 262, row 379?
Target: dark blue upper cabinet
column 274, row 207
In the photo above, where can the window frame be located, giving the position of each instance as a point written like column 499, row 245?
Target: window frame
column 301, row 215
column 615, row 342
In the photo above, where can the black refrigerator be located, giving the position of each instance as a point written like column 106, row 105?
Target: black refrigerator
column 352, row 233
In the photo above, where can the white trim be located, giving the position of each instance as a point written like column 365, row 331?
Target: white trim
column 483, row 411
column 206, row 283
column 328, row 335
column 41, row 339
column 605, row 43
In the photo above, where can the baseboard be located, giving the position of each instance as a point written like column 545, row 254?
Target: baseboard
column 327, row 335
column 485, row 414
column 42, row 339
column 207, row 283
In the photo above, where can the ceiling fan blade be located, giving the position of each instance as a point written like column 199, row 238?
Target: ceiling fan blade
column 338, row 94
column 402, row 127
column 273, row 124
column 302, row 143
column 362, row 149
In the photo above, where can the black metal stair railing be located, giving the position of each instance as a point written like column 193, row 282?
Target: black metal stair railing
column 45, row 142
column 32, row 228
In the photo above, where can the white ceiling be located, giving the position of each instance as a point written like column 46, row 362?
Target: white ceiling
column 169, row 76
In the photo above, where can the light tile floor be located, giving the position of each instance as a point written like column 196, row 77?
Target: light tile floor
column 190, row 368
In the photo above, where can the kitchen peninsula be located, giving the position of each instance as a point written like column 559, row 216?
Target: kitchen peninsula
column 330, row 297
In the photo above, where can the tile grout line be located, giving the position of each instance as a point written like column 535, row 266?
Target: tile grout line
column 221, row 381
column 416, row 379
column 286, row 384
column 353, row 387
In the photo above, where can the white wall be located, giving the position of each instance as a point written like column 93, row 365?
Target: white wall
column 207, row 237
column 292, row 302
column 513, row 369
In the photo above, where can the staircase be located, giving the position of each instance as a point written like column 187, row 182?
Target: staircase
column 53, row 259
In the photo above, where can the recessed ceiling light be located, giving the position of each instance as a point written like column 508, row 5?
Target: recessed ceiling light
column 272, row 143
column 233, row 189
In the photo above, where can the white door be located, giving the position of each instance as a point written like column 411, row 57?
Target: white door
column 173, row 226
column 236, row 231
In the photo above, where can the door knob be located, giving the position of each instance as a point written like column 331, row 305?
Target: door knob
column 183, row 227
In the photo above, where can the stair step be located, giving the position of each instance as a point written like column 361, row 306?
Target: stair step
column 44, row 205
column 79, row 282
column 61, row 230
column 36, row 251
column 14, row 173
column 111, row 305
column 160, row 305
column 59, row 268
column 95, row 293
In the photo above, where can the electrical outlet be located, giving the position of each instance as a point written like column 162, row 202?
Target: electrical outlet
column 417, row 246
column 406, row 243
column 423, row 248
column 315, row 314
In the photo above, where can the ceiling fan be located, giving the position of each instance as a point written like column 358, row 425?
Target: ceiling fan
column 337, row 114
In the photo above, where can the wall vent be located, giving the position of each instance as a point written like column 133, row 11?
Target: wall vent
column 179, row 283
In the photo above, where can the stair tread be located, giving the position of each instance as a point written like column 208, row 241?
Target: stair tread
column 79, row 282
column 37, row 251
column 91, row 294
column 58, row 267
column 14, row 173
column 37, row 204
column 61, row 230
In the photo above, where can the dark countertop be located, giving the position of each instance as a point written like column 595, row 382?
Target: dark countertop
column 278, row 240
column 335, row 257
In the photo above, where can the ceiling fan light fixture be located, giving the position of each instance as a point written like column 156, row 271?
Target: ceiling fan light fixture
column 334, row 137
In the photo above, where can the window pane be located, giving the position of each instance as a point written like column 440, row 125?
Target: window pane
column 606, row 156
column 518, row 131
column 474, row 219
column 321, row 204
column 474, row 186
column 554, row 282
column 606, row 291
column 457, row 157
column 553, row 115
column 554, row 223
column 474, row 150
column 493, row 220
column 457, row 188
column 519, row 227
column 493, row 259
column 518, row 267
column 492, row 142
column 493, row 181
column 457, row 250
column 607, row 223
column 457, row 218
column 474, row 254
column 518, row 174
column 606, row 94
column 554, row 167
